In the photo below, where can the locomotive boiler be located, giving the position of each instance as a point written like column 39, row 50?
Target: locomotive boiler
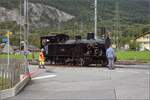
column 60, row 49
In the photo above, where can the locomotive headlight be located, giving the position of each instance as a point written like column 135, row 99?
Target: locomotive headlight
column 47, row 40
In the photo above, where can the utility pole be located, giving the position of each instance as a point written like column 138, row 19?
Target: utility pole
column 8, row 52
column 95, row 25
column 25, row 25
column 26, row 33
column 117, row 23
column 149, row 27
column 20, row 21
column 59, row 26
column 81, row 26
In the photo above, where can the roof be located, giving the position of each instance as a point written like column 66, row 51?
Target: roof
column 141, row 35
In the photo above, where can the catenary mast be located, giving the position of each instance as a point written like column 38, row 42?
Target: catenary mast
column 95, row 19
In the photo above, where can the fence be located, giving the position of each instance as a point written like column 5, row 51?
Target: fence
column 11, row 75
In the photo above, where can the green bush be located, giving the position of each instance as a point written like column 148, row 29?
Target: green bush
column 134, row 45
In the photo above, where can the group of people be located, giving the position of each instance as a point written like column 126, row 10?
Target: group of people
column 109, row 53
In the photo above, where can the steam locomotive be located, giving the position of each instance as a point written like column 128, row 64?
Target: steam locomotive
column 60, row 49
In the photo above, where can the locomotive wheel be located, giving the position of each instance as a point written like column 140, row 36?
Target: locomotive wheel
column 86, row 61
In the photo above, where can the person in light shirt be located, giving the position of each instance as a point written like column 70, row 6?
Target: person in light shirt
column 110, row 56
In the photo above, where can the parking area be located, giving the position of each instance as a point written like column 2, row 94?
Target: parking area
column 61, row 83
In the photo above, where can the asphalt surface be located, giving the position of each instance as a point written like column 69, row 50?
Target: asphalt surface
column 69, row 83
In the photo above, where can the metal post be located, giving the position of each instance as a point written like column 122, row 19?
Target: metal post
column 117, row 24
column 149, row 35
column 8, row 58
column 59, row 26
column 20, row 21
column 25, row 25
column 26, row 33
column 95, row 19
column 0, row 93
column 81, row 26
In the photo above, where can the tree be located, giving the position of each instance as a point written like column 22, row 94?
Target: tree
column 134, row 45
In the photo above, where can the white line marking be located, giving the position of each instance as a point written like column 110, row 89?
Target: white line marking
column 133, row 72
column 120, row 71
column 43, row 77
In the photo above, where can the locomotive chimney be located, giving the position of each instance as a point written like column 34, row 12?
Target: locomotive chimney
column 90, row 36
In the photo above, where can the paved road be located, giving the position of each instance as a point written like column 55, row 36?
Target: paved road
column 61, row 83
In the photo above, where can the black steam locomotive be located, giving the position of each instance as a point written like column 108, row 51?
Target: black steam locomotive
column 59, row 49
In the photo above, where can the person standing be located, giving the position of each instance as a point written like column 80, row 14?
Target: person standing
column 110, row 56
column 41, row 59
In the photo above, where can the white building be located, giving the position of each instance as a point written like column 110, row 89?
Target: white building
column 144, row 41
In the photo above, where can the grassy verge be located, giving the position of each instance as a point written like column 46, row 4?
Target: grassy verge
column 4, row 84
column 121, row 55
column 20, row 56
column 133, row 55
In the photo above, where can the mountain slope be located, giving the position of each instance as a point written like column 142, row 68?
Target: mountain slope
column 39, row 15
column 77, row 17
column 132, row 13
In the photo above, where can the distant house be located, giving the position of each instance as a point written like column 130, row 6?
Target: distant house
column 144, row 41
column 5, row 49
column 33, row 48
column 1, row 47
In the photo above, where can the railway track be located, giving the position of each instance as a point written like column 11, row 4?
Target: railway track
column 120, row 65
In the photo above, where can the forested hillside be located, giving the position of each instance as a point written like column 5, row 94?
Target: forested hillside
column 133, row 16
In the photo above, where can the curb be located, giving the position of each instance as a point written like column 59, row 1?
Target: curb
column 15, row 90
column 132, row 66
column 25, row 79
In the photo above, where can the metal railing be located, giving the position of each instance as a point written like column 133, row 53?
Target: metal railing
column 12, row 74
